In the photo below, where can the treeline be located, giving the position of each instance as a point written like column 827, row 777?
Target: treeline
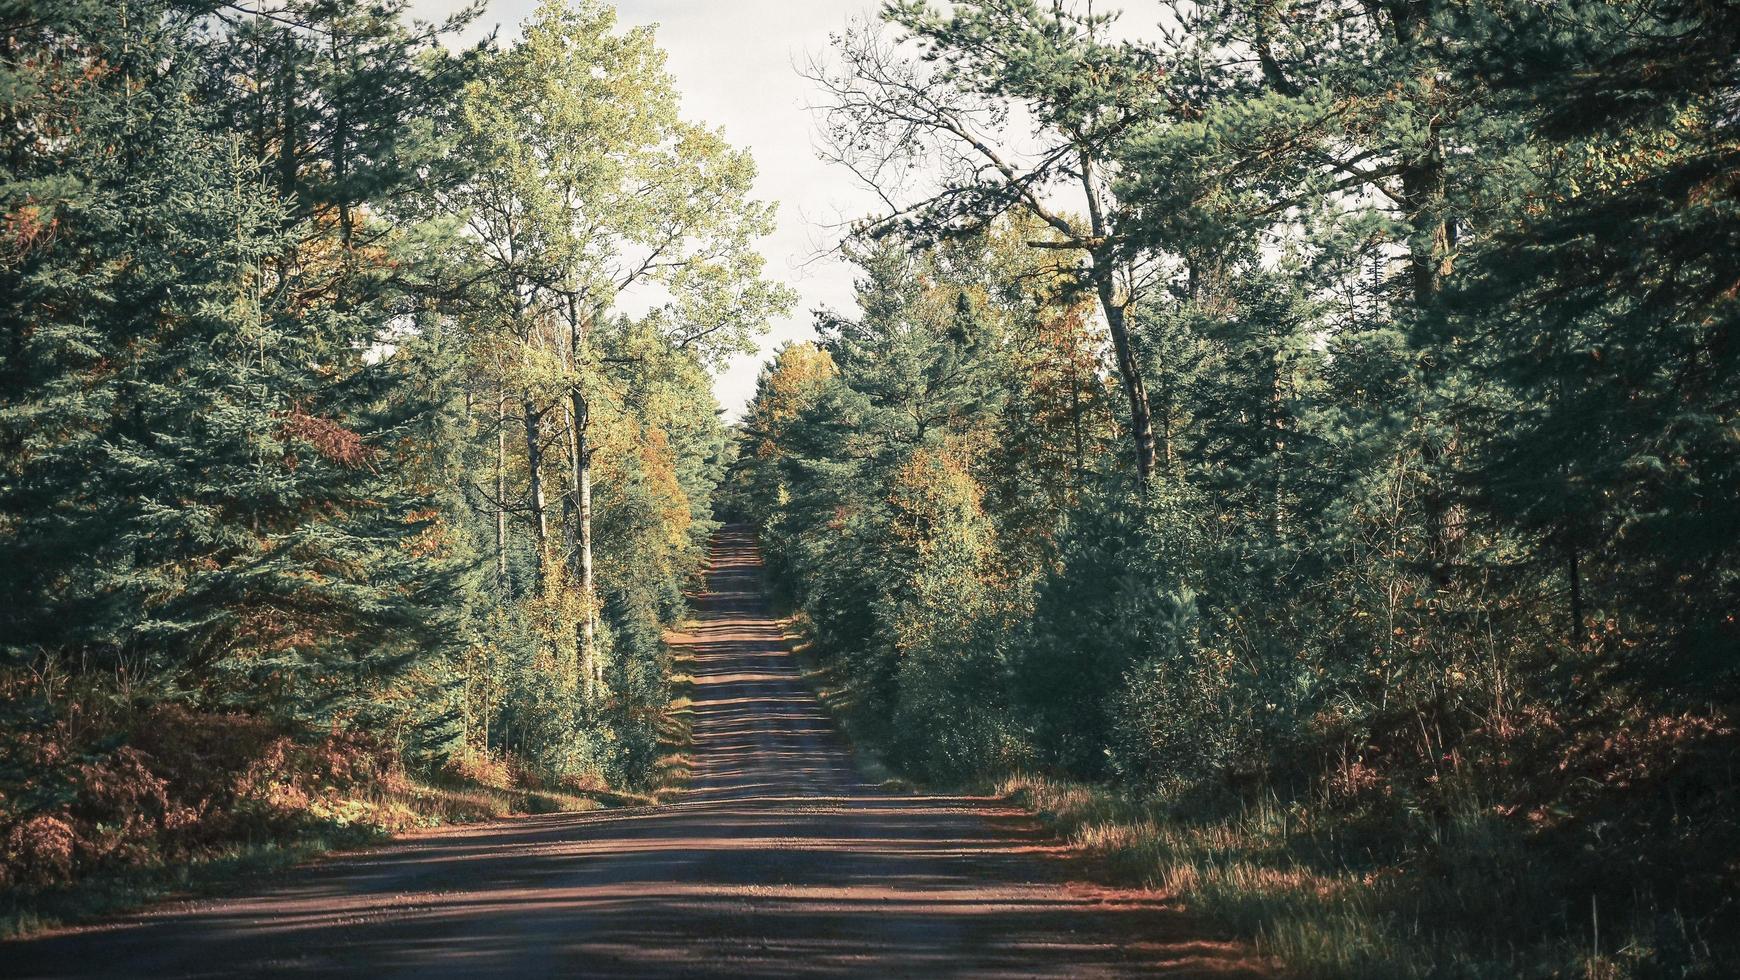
column 1318, row 427
column 334, row 439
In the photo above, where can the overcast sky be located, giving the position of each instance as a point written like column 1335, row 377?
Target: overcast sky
column 734, row 62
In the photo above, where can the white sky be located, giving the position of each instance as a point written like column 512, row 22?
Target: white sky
column 734, row 62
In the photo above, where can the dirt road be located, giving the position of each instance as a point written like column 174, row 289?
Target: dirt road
column 778, row 861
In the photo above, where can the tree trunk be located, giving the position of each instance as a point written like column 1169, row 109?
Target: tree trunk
column 1129, row 374
column 1429, row 249
column 580, row 461
column 501, row 517
column 1574, row 574
column 1278, row 424
column 588, row 590
column 1429, row 256
column 341, row 152
column 1077, row 437
column 580, row 488
column 1429, row 261
column 289, row 168
column 1129, row 364
column 571, row 496
column 535, row 463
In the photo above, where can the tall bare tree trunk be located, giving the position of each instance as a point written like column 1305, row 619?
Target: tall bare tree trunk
column 1102, row 270
column 1574, row 577
column 289, row 168
column 501, row 518
column 588, row 590
column 1278, row 425
column 1078, row 438
column 341, row 152
column 1129, row 373
column 571, row 496
column 534, row 418
column 580, row 492
column 580, row 489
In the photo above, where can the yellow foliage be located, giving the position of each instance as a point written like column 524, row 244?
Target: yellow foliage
column 788, row 387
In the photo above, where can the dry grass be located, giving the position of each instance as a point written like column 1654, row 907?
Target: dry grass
column 676, row 734
column 1485, row 910
column 205, row 803
column 472, row 790
column 1320, row 893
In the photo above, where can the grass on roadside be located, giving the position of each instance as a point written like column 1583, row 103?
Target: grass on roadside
column 289, row 819
column 1322, row 893
column 676, row 734
column 1478, row 901
column 474, row 791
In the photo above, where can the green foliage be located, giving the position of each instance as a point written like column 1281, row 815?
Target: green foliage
column 1432, row 306
column 260, row 383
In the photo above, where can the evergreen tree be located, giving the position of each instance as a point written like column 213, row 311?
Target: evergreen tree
column 948, row 110
column 1597, row 323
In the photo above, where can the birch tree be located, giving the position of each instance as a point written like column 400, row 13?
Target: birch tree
column 595, row 197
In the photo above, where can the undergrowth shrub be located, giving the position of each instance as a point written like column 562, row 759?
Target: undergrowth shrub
column 952, row 722
column 1178, row 719
column 111, row 786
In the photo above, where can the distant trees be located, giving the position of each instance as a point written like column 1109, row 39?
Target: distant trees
column 587, row 185
column 1430, row 307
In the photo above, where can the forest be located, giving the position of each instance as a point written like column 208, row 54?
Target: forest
column 1297, row 455
column 330, row 448
column 1310, row 468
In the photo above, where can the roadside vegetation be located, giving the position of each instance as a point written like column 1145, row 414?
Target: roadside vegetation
column 263, row 808
column 1297, row 452
column 1298, row 457
column 346, row 486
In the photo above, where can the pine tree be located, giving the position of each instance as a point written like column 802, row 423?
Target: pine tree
column 231, row 518
column 1598, row 323
column 1081, row 96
